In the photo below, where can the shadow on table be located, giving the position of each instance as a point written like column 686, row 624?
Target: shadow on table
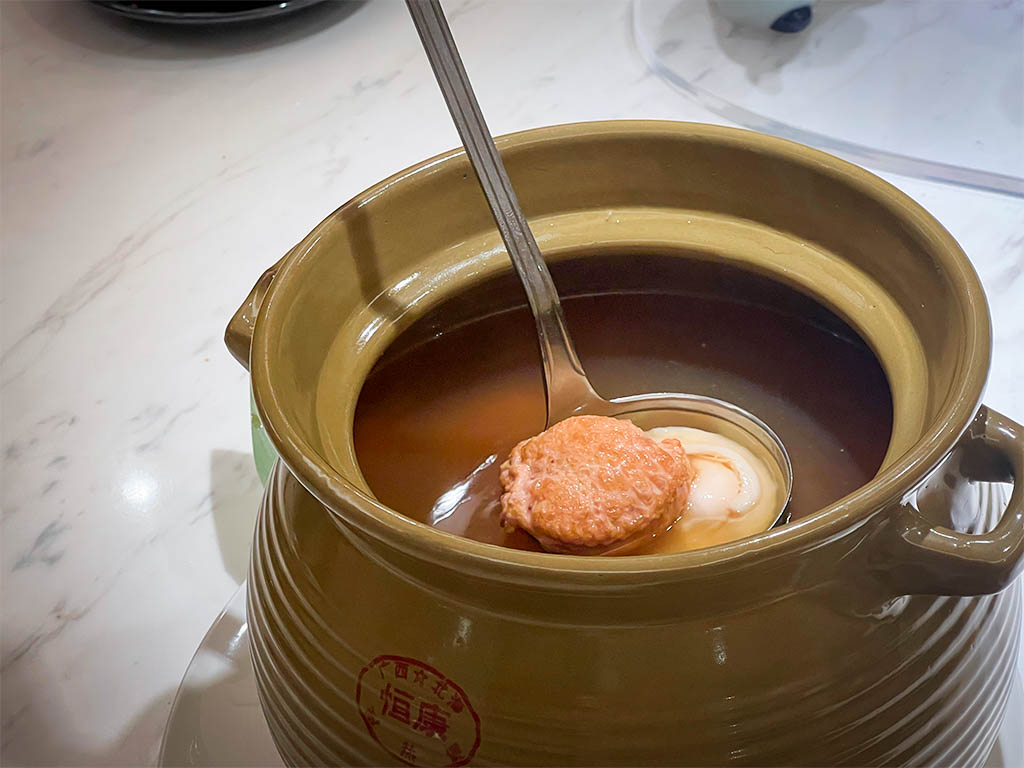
column 139, row 739
column 235, row 494
column 92, row 27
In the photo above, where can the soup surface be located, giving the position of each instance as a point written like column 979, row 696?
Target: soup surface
column 443, row 407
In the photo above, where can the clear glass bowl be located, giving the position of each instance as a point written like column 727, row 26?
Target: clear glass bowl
column 926, row 88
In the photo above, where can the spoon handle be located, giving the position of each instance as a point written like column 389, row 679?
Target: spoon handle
column 568, row 389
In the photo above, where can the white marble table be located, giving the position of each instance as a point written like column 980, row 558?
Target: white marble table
column 149, row 175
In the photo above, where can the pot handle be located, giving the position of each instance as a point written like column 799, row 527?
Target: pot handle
column 937, row 560
column 238, row 335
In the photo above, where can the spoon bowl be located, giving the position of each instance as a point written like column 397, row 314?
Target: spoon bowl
column 674, row 409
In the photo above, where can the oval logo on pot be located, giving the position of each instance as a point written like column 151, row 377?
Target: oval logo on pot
column 417, row 714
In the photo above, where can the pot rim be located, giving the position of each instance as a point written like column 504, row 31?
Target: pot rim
column 889, row 486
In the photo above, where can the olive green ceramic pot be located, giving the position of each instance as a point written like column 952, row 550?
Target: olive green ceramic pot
column 880, row 630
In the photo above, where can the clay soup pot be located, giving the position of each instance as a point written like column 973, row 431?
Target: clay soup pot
column 830, row 640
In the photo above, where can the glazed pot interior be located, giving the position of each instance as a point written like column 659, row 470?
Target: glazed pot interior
column 836, row 234
column 460, row 387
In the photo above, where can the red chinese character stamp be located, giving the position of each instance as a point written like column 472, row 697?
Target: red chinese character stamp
column 417, row 714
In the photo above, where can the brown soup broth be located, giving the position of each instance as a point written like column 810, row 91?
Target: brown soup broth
column 458, row 389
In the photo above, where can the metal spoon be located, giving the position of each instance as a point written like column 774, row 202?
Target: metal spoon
column 569, row 391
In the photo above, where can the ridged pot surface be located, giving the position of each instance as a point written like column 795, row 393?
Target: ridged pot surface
column 828, row 674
